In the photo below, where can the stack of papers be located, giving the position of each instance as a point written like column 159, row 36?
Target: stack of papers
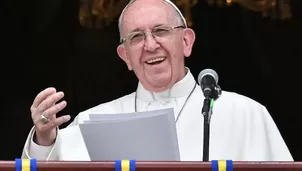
column 140, row 136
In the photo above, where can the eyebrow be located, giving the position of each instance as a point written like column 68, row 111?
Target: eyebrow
column 137, row 29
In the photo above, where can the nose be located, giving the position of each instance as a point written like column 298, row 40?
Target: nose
column 150, row 43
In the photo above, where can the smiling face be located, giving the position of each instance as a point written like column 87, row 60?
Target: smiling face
column 158, row 61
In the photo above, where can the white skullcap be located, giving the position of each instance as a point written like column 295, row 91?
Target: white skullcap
column 178, row 11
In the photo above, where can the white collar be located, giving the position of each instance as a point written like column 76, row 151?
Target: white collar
column 179, row 89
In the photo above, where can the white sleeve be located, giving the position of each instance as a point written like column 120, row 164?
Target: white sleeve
column 53, row 152
column 263, row 142
column 33, row 150
column 277, row 146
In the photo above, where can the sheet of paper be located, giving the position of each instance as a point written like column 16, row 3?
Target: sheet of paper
column 102, row 117
column 141, row 136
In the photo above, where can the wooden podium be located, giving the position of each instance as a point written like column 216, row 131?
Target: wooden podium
column 155, row 166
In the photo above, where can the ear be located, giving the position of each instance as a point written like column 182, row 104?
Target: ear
column 189, row 39
column 122, row 52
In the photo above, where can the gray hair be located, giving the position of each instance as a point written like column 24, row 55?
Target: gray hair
column 181, row 17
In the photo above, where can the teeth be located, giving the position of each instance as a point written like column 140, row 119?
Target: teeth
column 155, row 60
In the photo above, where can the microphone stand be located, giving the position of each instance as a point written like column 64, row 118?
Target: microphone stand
column 211, row 94
column 206, row 128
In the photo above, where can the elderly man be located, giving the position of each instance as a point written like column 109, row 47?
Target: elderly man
column 154, row 43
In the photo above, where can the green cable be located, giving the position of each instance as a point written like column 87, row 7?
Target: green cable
column 212, row 103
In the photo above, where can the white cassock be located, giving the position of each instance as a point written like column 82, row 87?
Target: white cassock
column 241, row 128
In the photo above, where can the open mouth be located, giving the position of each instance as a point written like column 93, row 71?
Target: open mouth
column 155, row 61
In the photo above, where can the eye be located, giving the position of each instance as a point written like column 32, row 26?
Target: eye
column 136, row 36
column 161, row 31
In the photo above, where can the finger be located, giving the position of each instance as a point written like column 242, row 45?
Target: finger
column 42, row 96
column 56, row 122
column 62, row 119
column 49, row 102
column 51, row 112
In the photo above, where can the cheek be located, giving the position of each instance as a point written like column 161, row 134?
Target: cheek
column 175, row 51
column 134, row 59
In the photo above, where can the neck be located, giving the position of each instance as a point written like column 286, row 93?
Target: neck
column 179, row 89
column 168, row 87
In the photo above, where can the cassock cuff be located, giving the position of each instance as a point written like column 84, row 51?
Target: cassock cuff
column 37, row 151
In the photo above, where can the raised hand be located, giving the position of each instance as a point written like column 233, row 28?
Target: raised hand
column 43, row 112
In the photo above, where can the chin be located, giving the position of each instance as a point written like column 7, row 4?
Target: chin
column 159, row 86
column 157, row 82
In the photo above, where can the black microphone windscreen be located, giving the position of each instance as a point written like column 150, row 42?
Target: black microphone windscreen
column 205, row 72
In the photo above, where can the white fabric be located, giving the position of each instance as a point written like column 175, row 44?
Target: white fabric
column 241, row 128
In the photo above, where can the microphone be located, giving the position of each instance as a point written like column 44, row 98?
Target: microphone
column 208, row 81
